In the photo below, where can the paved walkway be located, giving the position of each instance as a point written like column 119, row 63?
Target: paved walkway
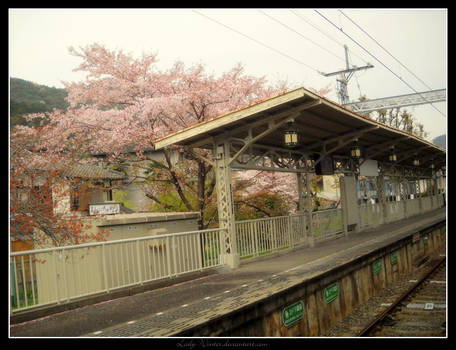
column 170, row 310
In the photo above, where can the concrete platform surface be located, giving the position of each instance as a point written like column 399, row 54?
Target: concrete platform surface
column 171, row 310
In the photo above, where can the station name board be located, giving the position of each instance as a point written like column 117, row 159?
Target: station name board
column 104, row 209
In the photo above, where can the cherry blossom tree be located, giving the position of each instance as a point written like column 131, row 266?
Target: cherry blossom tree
column 37, row 188
column 125, row 104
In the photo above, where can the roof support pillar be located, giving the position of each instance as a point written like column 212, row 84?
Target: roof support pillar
column 310, row 237
column 305, row 205
column 225, row 204
column 343, row 204
column 381, row 197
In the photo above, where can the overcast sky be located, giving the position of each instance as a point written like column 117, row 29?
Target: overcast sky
column 293, row 44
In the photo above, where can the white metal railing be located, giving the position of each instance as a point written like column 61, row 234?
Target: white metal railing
column 57, row 275
column 268, row 235
column 394, row 211
column 326, row 224
column 412, row 207
column 262, row 236
column 371, row 215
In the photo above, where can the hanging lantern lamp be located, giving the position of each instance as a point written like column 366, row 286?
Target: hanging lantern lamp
column 392, row 157
column 291, row 136
column 355, row 151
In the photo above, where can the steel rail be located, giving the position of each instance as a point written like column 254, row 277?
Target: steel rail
column 380, row 317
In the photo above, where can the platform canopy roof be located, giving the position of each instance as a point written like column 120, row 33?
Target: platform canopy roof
column 325, row 128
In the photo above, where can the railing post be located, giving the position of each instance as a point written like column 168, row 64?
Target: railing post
column 57, row 277
column 256, row 237
column 32, row 278
column 273, row 230
column 16, row 274
column 290, row 243
column 24, row 281
column 65, row 280
column 171, row 248
column 103, row 261
column 138, row 263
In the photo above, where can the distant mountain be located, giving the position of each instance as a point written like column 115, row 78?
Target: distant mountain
column 440, row 141
column 28, row 97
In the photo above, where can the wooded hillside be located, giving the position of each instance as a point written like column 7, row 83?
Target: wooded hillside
column 28, row 97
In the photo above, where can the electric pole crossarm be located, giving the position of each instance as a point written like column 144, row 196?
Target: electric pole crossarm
column 399, row 101
column 347, row 70
column 344, row 78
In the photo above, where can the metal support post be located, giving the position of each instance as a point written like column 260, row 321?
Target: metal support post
column 343, row 204
column 228, row 254
column 310, row 237
column 301, row 199
column 419, row 196
column 381, row 197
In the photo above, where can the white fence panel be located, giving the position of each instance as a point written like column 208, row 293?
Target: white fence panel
column 370, row 215
column 58, row 275
column 326, row 224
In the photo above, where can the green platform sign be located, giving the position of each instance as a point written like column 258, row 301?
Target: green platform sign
column 377, row 267
column 393, row 258
column 293, row 313
column 331, row 292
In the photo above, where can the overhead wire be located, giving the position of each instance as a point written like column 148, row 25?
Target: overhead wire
column 302, row 35
column 400, row 78
column 259, row 42
column 389, row 53
column 324, row 33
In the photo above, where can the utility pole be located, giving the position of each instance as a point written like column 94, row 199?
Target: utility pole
column 344, row 78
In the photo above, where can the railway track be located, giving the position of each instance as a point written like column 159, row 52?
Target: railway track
column 420, row 311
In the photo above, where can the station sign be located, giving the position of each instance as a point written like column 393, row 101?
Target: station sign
column 104, row 209
column 331, row 292
column 292, row 313
column 393, row 258
column 377, row 267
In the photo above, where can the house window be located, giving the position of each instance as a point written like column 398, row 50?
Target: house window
column 80, row 198
column 74, row 199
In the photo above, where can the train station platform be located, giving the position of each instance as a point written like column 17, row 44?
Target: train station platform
column 176, row 309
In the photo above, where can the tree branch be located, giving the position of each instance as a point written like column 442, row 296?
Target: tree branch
column 176, row 182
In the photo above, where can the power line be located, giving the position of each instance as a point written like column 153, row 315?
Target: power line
column 328, row 20
column 259, row 42
column 301, row 35
column 389, row 53
column 370, row 36
column 324, row 33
